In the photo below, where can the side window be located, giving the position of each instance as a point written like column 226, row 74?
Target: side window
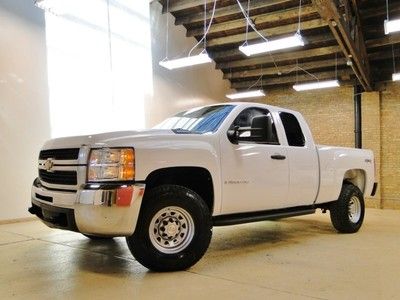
column 259, row 124
column 293, row 131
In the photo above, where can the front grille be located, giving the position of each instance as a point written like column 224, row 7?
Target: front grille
column 59, row 177
column 60, row 154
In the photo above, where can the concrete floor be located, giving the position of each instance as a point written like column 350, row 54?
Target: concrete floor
column 298, row 258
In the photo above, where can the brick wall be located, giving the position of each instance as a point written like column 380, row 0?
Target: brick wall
column 390, row 145
column 330, row 115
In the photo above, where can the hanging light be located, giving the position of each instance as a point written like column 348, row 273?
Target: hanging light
column 269, row 46
column 316, row 85
column 190, row 60
column 246, row 94
column 295, row 40
column 391, row 26
column 396, row 76
column 172, row 64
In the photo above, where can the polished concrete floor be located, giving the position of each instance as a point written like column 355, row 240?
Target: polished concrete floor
column 298, row 258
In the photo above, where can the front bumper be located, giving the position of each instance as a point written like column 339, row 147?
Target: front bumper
column 96, row 209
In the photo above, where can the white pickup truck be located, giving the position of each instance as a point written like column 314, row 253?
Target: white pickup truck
column 165, row 188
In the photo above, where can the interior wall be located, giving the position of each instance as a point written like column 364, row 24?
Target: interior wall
column 24, row 111
column 390, row 145
column 180, row 89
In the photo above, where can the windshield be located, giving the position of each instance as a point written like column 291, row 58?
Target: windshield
column 198, row 120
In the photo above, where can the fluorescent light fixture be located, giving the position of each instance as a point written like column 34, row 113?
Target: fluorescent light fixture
column 396, row 76
column 316, row 85
column 283, row 43
column 247, row 94
column 391, row 26
column 202, row 58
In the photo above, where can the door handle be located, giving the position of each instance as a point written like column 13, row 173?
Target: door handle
column 278, row 156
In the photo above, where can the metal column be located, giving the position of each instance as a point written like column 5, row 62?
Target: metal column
column 357, row 116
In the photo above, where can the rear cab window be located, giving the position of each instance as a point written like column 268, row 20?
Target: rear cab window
column 294, row 134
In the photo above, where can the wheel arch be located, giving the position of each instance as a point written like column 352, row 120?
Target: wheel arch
column 197, row 179
column 356, row 177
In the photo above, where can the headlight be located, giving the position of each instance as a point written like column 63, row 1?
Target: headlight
column 111, row 164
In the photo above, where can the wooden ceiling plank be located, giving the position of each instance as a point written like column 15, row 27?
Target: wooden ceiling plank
column 178, row 5
column 374, row 12
column 293, row 79
column 385, row 41
column 285, row 69
column 271, row 17
column 229, row 10
column 275, row 31
column 265, row 59
column 353, row 51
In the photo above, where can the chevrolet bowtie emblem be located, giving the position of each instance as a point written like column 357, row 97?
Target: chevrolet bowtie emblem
column 48, row 165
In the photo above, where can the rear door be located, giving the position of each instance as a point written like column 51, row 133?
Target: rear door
column 303, row 161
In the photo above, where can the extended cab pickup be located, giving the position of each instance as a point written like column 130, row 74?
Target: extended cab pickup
column 165, row 188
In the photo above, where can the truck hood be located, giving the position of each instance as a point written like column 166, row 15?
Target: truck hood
column 102, row 139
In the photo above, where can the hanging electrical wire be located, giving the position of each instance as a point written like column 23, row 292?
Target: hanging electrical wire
column 299, row 22
column 249, row 21
column 167, row 33
column 267, row 45
column 208, row 28
column 190, row 60
column 110, row 52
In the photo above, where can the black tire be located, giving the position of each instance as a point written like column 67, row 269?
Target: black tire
column 173, row 231
column 347, row 213
column 97, row 237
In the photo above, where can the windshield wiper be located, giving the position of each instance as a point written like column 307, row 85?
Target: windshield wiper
column 184, row 131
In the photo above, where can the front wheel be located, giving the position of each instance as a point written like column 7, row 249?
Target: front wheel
column 347, row 213
column 173, row 231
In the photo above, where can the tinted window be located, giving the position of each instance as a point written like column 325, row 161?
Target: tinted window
column 260, row 130
column 293, row 131
column 198, row 120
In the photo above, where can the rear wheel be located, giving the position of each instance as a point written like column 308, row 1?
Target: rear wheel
column 173, row 231
column 347, row 213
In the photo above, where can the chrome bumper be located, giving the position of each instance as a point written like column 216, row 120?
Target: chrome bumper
column 97, row 209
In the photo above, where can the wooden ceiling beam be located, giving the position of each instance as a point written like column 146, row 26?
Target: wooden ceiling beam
column 292, row 14
column 293, row 79
column 286, row 68
column 381, row 55
column 183, row 4
column 230, row 10
column 268, row 32
column 385, row 41
column 374, row 12
column 352, row 45
column 265, row 59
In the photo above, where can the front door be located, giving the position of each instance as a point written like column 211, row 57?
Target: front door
column 255, row 173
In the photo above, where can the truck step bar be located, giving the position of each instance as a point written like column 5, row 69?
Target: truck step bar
column 274, row 214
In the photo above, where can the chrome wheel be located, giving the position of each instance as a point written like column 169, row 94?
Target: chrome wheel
column 354, row 209
column 171, row 230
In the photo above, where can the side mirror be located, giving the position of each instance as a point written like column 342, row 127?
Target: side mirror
column 233, row 135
